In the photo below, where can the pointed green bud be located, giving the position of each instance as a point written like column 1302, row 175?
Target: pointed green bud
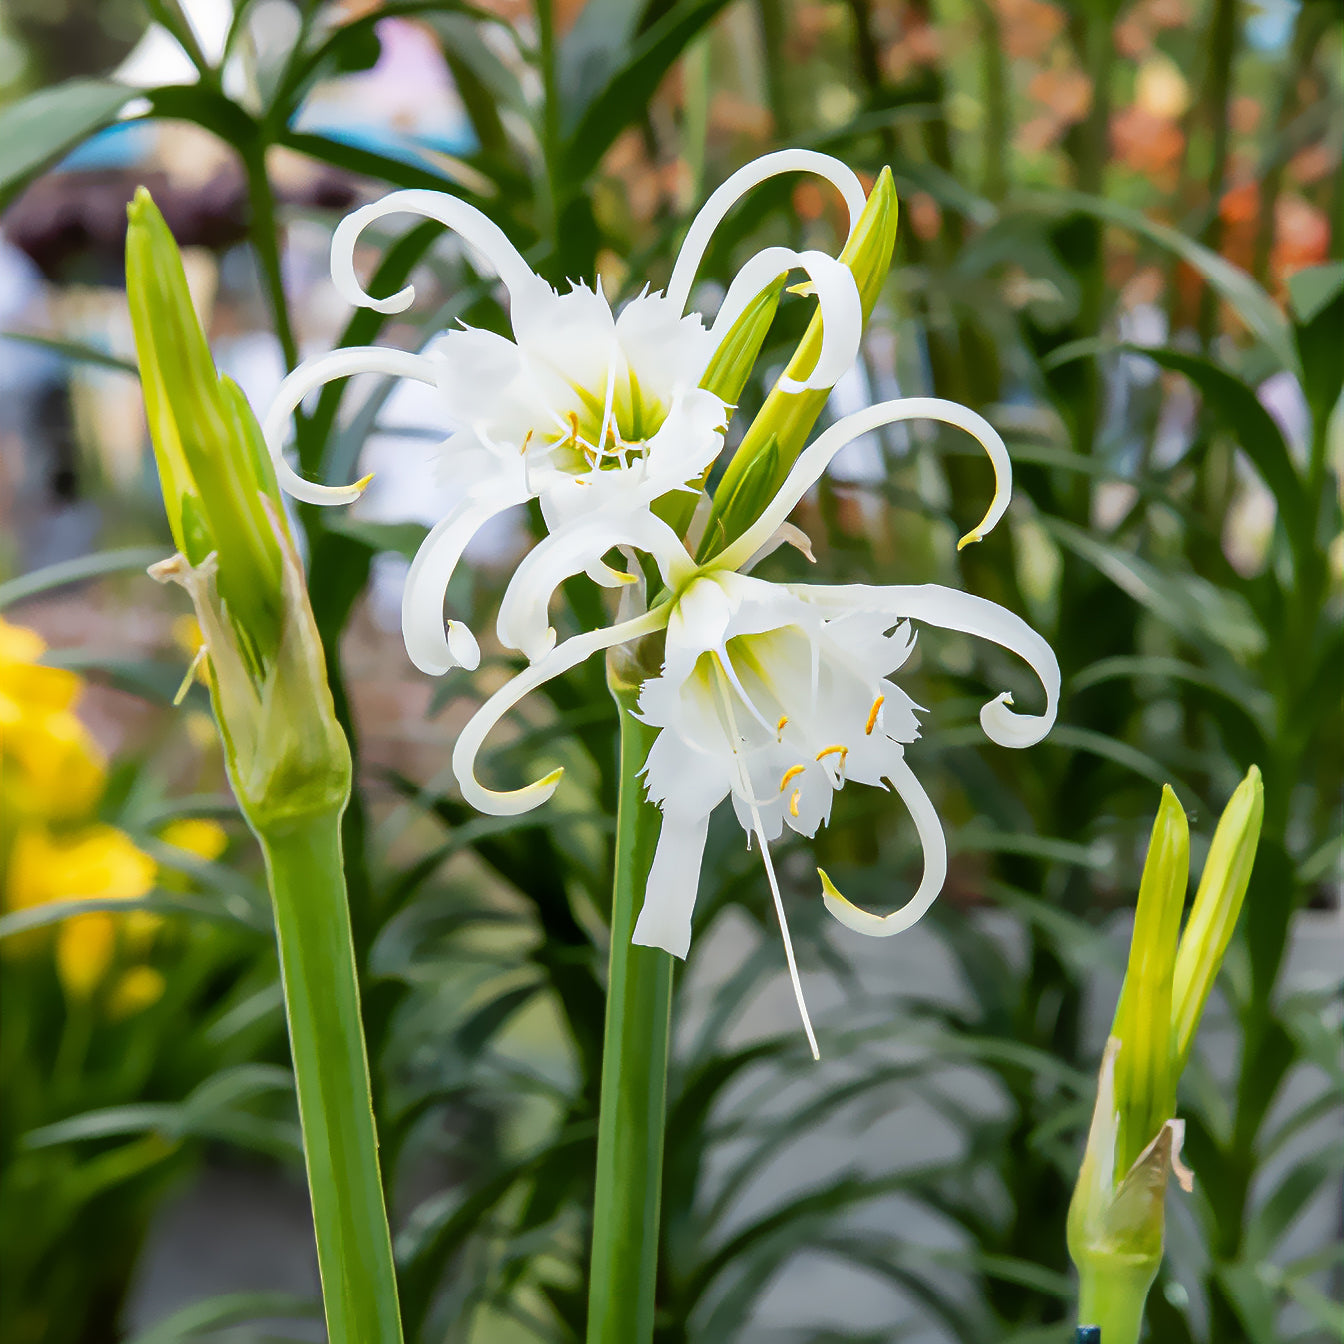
column 746, row 495
column 726, row 375
column 1145, row 1079
column 732, row 363
column 1116, row 1217
column 213, row 466
column 1222, row 888
column 287, row 757
column 788, row 417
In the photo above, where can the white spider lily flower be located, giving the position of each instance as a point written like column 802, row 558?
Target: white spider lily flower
column 585, row 410
column 775, row 695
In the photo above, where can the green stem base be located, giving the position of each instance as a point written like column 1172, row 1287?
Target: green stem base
column 623, row 1280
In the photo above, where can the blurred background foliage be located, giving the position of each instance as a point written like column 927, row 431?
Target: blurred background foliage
column 1119, row 242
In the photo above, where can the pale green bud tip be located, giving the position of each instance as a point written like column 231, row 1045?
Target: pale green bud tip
column 213, row 465
column 1145, row 1074
column 1222, row 889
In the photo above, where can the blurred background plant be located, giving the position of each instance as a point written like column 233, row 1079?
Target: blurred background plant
column 1116, row 243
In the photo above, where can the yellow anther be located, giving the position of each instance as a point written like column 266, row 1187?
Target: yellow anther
column 573, row 419
column 779, row 728
column 527, row 438
column 793, row 803
column 791, row 773
column 831, row 751
column 872, row 716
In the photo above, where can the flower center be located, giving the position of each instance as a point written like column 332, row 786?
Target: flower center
column 609, row 431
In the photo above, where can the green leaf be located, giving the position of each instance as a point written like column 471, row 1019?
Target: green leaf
column 79, row 570
column 1312, row 290
column 1260, row 313
column 1256, row 431
column 167, row 903
column 75, row 351
column 215, row 1313
column 48, row 124
column 1192, row 606
column 626, row 94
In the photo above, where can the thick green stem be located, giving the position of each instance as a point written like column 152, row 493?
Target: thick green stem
column 1114, row 1300
column 331, row 1076
column 623, row 1278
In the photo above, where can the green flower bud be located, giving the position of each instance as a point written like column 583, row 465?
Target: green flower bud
column 1145, row 1083
column 1117, row 1215
column 726, row 376
column 213, row 464
column 787, row 417
column 1222, row 888
column 287, row 757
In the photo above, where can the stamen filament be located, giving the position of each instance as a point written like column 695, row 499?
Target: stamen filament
column 784, row 930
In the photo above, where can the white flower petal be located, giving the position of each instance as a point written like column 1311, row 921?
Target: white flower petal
column 816, row 457
column 674, row 879
column 315, row 373
column 951, row 609
column 481, row 233
column 837, row 296
column 432, row 648
column 935, row 865
column 523, row 622
column 512, row 802
column 712, row 213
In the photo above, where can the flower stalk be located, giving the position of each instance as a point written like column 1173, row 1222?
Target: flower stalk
column 632, row 1115
column 1117, row 1215
column 287, row 758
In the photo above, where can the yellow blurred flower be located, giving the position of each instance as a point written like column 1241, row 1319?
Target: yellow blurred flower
column 85, row 946
column 51, row 764
column 197, row 835
column 94, row 862
column 139, row 988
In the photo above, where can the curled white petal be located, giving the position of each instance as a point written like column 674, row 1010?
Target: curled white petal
column 315, row 373
column 523, row 622
column 712, row 213
column 433, row 647
column 837, row 295
column 951, row 609
column 512, row 802
column 674, row 880
column 931, row 837
column 480, row 232
column 816, row 457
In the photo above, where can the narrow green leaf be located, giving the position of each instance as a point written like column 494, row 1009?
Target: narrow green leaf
column 47, row 124
column 75, row 351
column 625, row 95
column 215, row 1313
column 80, row 570
column 1260, row 313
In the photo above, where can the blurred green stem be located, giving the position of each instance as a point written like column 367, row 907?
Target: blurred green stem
column 550, row 117
column 1222, row 48
column 623, row 1277
column 266, row 242
column 331, row 1077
